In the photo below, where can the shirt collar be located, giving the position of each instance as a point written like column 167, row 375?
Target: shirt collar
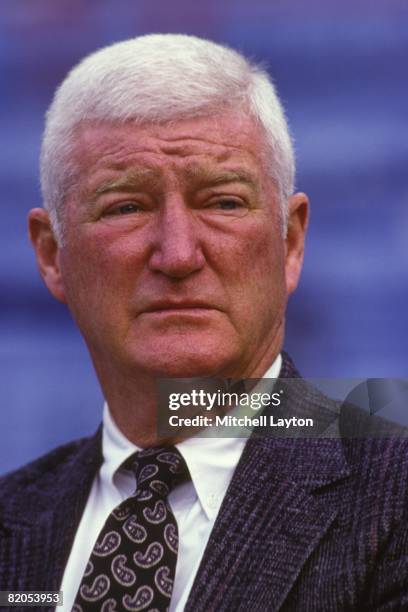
column 116, row 447
column 210, row 460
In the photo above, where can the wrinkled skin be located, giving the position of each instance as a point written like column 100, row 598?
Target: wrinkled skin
column 173, row 262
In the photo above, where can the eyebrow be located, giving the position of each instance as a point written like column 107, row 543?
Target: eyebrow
column 209, row 177
column 133, row 180
column 201, row 177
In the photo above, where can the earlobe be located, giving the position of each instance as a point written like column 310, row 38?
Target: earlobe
column 298, row 206
column 47, row 251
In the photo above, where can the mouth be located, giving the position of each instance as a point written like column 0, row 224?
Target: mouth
column 164, row 307
column 178, row 308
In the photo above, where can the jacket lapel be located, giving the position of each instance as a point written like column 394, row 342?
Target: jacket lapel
column 43, row 531
column 271, row 519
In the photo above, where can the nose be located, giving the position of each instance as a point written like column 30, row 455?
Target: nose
column 177, row 250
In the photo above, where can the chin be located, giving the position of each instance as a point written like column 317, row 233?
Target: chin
column 185, row 353
column 185, row 364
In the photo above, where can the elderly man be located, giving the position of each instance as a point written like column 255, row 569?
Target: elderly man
column 171, row 230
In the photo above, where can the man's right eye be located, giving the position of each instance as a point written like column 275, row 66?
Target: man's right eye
column 127, row 208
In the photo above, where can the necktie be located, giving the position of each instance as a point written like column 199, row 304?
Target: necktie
column 133, row 563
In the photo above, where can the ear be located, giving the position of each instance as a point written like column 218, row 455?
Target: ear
column 298, row 207
column 47, row 251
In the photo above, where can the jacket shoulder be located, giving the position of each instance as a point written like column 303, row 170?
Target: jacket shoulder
column 57, row 469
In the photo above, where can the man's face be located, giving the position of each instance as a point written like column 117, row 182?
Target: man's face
column 173, row 262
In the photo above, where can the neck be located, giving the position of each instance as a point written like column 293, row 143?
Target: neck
column 133, row 406
column 134, row 400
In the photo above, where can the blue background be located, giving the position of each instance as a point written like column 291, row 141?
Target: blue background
column 341, row 69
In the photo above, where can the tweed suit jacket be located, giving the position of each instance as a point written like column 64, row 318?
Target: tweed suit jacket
column 307, row 523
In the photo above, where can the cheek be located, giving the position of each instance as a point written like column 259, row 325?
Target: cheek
column 94, row 276
column 255, row 280
column 103, row 257
column 257, row 258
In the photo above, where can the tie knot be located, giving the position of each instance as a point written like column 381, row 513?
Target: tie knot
column 158, row 470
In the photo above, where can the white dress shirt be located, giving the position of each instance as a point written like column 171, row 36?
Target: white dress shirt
column 211, row 462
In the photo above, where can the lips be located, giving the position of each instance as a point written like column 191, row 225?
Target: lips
column 173, row 305
column 177, row 308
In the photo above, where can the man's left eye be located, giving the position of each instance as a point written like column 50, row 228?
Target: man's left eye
column 229, row 204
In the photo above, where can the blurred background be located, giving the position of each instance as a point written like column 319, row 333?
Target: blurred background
column 341, row 70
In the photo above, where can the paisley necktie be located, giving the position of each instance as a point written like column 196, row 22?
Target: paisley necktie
column 133, row 563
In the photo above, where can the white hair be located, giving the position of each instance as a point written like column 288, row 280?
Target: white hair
column 159, row 78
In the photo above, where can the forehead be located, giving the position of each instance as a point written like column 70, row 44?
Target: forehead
column 189, row 147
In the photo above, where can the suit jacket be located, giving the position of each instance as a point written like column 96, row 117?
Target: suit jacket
column 307, row 523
